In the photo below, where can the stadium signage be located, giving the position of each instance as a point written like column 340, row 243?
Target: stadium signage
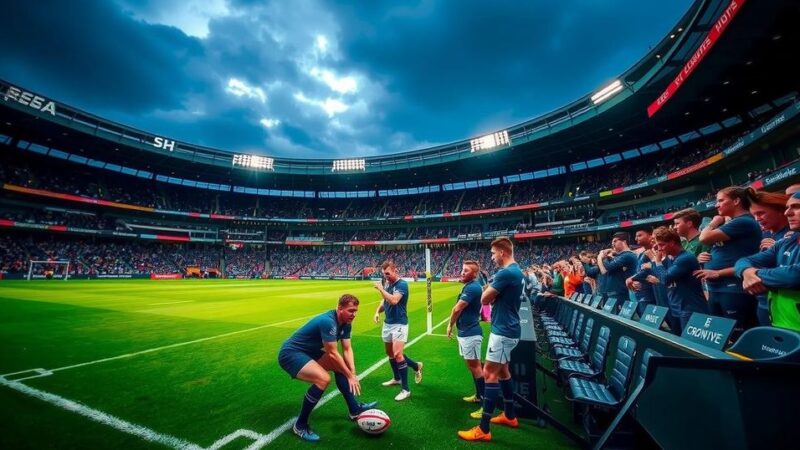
column 705, row 47
column 30, row 99
column 783, row 174
column 164, row 143
column 708, row 331
column 773, row 123
column 653, row 316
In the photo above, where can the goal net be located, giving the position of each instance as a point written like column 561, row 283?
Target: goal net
column 48, row 270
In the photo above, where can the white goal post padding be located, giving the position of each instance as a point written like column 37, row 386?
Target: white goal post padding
column 34, row 263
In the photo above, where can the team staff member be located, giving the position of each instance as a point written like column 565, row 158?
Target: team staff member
column 395, row 329
column 312, row 351
column 735, row 237
column 777, row 271
column 643, row 293
column 768, row 210
column 619, row 268
column 684, row 291
column 505, row 295
column 466, row 315
column 687, row 223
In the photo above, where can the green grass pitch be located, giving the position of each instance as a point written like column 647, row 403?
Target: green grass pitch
column 189, row 363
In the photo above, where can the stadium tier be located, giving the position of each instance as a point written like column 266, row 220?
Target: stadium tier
column 631, row 256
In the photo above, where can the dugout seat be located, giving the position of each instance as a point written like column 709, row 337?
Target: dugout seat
column 564, row 352
column 612, row 394
column 768, row 344
column 597, row 360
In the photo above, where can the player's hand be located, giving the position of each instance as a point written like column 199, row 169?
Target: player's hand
column 449, row 331
column 355, row 385
column 377, row 317
column 652, row 279
column 646, row 266
column 717, row 221
column 704, row 257
column 752, row 283
column 378, row 285
column 706, row 274
column 766, row 243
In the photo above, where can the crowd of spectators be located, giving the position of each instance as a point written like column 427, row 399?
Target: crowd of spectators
column 97, row 183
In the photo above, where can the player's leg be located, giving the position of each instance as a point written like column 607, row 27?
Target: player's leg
column 402, row 368
column 509, row 416
column 315, row 374
column 354, row 407
column 470, row 349
column 491, row 372
column 389, row 348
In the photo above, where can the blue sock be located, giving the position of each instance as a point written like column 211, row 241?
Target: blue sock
column 480, row 386
column 309, row 402
column 490, row 396
column 403, row 369
column 395, row 372
column 344, row 388
column 508, row 398
column 411, row 363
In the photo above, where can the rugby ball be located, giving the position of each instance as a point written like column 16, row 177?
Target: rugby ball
column 373, row 421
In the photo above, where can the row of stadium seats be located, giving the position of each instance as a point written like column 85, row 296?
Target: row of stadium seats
column 25, row 171
column 579, row 345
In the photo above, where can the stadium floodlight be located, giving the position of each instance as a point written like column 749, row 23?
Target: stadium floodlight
column 254, row 162
column 607, row 92
column 489, row 141
column 348, row 165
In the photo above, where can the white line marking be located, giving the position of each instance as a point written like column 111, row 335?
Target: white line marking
column 101, row 417
column 169, row 303
column 274, row 434
column 179, row 344
column 259, row 440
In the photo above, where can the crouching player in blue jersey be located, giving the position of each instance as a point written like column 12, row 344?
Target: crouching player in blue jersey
column 311, row 352
column 504, row 294
column 776, row 271
column 395, row 329
column 466, row 315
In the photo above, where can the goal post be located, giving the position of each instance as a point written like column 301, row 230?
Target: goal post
column 428, row 280
column 47, row 264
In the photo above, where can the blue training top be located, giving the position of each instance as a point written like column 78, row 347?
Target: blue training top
column 779, row 266
column 646, row 293
column 505, row 310
column 311, row 337
column 397, row 314
column 618, row 270
column 684, row 291
column 745, row 240
column 469, row 321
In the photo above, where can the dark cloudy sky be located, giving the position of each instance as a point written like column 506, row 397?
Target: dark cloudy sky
column 322, row 79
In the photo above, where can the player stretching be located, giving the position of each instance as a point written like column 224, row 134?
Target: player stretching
column 311, row 352
column 466, row 314
column 504, row 295
column 395, row 328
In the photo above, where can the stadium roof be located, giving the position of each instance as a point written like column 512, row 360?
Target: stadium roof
column 745, row 72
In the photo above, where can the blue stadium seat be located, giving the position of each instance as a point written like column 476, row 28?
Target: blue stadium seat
column 643, row 365
column 571, row 339
column 611, row 394
column 768, row 344
column 597, row 360
column 563, row 352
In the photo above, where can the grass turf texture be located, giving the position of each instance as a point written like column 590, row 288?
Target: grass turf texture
column 202, row 391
